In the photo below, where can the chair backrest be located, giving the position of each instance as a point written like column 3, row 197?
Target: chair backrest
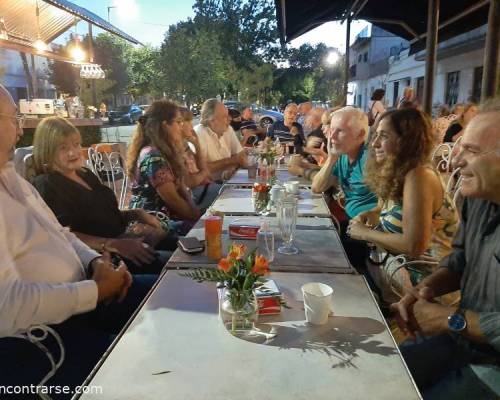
column 117, row 177
column 110, row 169
column 19, row 155
column 29, row 169
column 453, row 187
column 441, row 156
column 36, row 334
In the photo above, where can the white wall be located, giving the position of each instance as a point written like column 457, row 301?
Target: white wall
column 365, row 89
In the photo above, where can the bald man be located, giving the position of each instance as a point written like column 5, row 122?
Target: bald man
column 48, row 276
column 457, row 354
column 289, row 129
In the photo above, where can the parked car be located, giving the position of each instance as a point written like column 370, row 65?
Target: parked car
column 125, row 114
column 234, row 104
column 265, row 117
column 262, row 116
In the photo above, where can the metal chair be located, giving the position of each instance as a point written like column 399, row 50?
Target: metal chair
column 23, row 163
column 453, row 187
column 19, row 154
column 36, row 334
column 110, row 169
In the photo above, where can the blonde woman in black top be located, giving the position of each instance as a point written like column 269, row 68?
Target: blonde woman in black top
column 82, row 203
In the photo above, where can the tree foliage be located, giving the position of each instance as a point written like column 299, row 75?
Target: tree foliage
column 230, row 48
column 111, row 53
column 193, row 65
column 145, row 71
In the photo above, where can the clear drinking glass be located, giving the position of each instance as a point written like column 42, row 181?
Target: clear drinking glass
column 287, row 219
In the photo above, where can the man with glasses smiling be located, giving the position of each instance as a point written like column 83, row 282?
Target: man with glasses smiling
column 48, row 276
column 459, row 356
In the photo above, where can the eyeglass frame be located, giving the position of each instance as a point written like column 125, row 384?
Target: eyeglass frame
column 20, row 119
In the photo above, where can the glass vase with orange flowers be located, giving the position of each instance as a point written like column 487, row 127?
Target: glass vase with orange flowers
column 238, row 275
column 261, row 195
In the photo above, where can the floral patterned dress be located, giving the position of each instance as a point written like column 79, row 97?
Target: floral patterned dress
column 153, row 170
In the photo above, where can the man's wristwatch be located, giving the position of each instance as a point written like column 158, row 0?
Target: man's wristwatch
column 457, row 322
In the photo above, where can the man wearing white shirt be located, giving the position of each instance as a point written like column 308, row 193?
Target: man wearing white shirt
column 48, row 276
column 218, row 142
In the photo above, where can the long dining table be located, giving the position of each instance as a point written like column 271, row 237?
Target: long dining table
column 241, row 178
column 238, row 201
column 319, row 246
column 176, row 347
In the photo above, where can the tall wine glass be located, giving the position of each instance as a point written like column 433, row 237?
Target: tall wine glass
column 287, row 219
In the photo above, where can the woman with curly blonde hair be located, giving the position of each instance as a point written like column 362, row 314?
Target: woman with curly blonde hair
column 414, row 215
column 157, row 168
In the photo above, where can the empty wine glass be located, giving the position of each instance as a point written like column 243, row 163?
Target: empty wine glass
column 287, row 219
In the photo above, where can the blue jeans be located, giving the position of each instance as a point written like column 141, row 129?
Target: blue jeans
column 86, row 337
column 441, row 370
column 153, row 268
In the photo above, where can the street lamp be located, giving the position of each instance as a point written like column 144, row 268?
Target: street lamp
column 109, row 8
column 332, row 58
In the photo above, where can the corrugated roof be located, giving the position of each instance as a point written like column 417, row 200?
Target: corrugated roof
column 55, row 18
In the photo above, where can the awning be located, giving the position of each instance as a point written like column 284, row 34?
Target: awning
column 55, row 18
column 407, row 19
column 296, row 17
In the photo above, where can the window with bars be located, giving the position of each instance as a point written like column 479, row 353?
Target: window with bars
column 452, row 86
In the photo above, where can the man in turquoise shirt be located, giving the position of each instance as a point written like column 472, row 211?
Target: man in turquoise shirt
column 344, row 168
column 358, row 197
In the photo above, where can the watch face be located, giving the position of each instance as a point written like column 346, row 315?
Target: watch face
column 456, row 322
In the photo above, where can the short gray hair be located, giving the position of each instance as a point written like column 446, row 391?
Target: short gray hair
column 357, row 118
column 208, row 111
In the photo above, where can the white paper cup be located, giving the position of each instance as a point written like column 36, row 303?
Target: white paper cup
column 292, row 187
column 317, row 302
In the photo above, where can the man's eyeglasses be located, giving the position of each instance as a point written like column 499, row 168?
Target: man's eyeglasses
column 19, row 119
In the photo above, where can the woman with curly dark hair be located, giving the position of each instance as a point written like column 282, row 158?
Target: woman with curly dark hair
column 414, row 215
column 157, row 168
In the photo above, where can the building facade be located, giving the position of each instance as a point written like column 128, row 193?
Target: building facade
column 458, row 77
column 369, row 63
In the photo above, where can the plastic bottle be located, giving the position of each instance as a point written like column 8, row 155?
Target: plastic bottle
column 265, row 241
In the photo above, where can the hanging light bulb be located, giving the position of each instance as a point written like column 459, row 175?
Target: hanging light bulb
column 77, row 53
column 39, row 44
column 3, row 30
column 75, row 50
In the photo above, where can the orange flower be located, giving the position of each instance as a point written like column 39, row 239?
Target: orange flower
column 236, row 251
column 224, row 264
column 261, row 187
column 261, row 266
